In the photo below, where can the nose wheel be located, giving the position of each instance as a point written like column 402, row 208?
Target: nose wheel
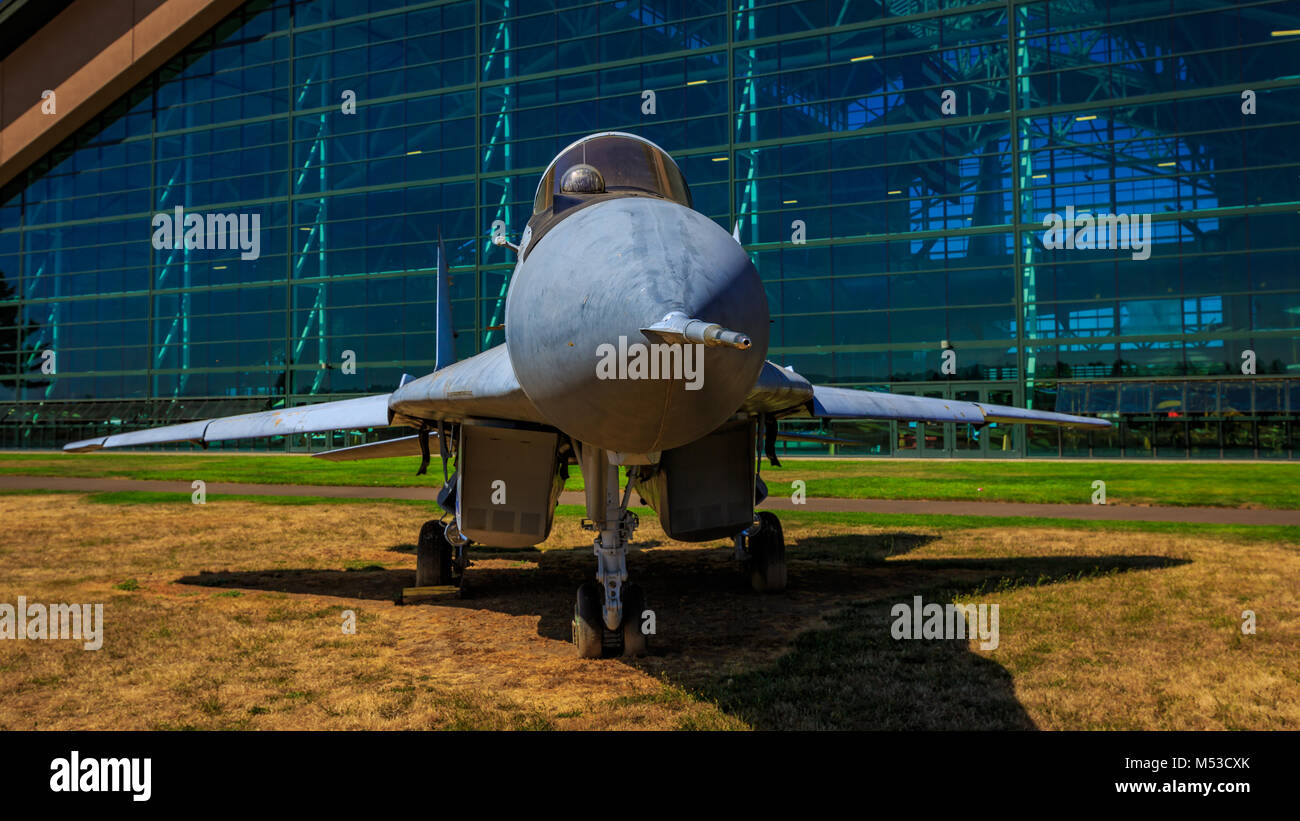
column 593, row 639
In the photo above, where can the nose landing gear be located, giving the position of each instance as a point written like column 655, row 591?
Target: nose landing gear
column 607, row 614
column 590, row 635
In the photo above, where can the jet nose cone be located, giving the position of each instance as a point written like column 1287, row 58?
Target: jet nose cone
column 590, row 333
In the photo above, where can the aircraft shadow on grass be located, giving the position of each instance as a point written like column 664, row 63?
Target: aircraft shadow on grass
column 819, row 655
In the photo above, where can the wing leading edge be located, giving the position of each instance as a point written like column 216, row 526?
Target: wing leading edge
column 844, row 403
column 786, row 393
column 482, row 386
column 366, row 412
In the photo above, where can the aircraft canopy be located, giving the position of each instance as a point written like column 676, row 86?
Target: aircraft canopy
column 624, row 162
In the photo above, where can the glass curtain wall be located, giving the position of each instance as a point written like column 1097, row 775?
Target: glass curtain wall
column 891, row 167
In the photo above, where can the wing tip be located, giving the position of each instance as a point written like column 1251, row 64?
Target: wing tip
column 85, row 445
column 1086, row 422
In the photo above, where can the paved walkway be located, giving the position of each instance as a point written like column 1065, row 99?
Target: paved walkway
column 1123, row 513
column 1198, row 515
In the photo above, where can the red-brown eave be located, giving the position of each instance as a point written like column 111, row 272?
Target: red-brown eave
column 93, row 52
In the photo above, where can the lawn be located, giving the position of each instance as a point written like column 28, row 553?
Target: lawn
column 1229, row 484
column 228, row 615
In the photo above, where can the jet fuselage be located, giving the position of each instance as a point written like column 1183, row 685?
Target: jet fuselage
column 601, row 264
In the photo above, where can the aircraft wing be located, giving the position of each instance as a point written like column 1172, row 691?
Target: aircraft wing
column 366, row 412
column 482, row 386
column 845, row 403
column 783, row 392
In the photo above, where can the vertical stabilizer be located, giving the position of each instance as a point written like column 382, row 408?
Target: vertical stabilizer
column 446, row 345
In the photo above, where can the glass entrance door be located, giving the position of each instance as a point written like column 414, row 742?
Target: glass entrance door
column 1001, row 439
column 937, row 438
column 907, row 438
column 913, row 439
column 967, row 439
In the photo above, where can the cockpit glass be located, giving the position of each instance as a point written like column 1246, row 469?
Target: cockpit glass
column 626, row 163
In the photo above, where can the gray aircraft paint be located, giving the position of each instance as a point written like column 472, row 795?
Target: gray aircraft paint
column 483, row 386
column 610, row 270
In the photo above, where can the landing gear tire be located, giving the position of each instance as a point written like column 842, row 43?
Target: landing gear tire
column 588, row 622
column 433, row 552
column 767, row 555
column 634, row 641
column 590, row 635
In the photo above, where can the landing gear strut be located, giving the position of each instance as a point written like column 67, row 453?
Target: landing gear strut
column 761, row 550
column 607, row 614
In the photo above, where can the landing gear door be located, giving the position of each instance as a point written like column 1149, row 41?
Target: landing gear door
column 705, row 490
column 506, row 484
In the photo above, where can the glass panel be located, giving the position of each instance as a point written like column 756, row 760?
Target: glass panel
column 1203, row 437
column 908, row 437
column 966, row 438
column 1001, row 439
column 1269, row 397
column 1171, row 439
column 870, row 438
column 1042, row 440
column 1138, row 436
column 1273, row 440
column 1235, row 398
column 1238, row 439
column 1135, row 398
column 1202, row 397
column 1075, row 442
column 1167, row 397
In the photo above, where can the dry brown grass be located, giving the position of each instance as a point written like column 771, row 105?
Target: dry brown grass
column 1098, row 630
column 1156, row 650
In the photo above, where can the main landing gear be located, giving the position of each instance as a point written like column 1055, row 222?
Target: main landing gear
column 761, row 551
column 607, row 615
column 441, row 554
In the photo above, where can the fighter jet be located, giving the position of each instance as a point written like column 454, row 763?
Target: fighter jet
column 636, row 336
